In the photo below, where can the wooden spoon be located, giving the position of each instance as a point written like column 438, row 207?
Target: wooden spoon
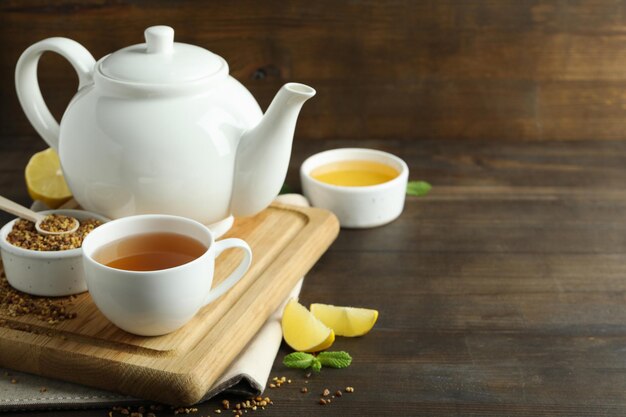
column 25, row 213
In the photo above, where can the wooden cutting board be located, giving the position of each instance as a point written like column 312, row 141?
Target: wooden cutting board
column 180, row 367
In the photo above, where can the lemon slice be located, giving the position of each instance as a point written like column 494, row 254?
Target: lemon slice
column 345, row 321
column 44, row 179
column 302, row 331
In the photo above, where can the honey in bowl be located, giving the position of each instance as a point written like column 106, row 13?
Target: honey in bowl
column 150, row 252
column 354, row 173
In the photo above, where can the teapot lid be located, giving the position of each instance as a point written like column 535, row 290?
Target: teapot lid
column 162, row 61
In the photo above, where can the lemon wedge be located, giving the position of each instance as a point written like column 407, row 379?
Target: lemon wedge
column 44, row 179
column 345, row 321
column 302, row 331
column 325, row 344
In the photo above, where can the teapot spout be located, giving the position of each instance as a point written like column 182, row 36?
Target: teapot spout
column 264, row 151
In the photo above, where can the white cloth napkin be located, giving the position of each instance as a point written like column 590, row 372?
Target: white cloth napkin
column 247, row 375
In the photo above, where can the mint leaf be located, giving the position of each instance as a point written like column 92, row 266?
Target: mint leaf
column 303, row 360
column 316, row 365
column 339, row 359
column 299, row 360
column 418, row 188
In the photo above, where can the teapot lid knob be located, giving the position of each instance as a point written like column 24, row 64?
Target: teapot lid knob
column 161, row 62
column 159, row 39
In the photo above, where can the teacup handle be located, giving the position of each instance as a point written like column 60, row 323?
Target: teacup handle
column 238, row 273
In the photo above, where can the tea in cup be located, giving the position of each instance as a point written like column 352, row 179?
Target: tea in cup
column 363, row 187
column 150, row 274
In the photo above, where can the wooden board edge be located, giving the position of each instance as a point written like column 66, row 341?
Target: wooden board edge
column 184, row 382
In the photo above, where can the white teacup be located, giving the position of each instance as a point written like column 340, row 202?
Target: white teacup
column 362, row 206
column 151, row 303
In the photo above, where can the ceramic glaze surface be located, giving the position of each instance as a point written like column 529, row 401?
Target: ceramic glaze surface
column 143, row 155
column 152, row 303
column 161, row 127
column 357, row 207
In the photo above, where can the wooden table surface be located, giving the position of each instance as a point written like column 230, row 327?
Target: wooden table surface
column 500, row 293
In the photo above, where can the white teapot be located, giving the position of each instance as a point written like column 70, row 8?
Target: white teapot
column 161, row 127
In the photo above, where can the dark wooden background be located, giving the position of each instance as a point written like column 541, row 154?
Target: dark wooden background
column 503, row 291
column 488, row 69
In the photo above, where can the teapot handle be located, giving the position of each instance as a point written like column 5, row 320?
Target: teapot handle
column 27, row 85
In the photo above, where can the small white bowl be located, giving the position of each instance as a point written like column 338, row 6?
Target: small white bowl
column 45, row 273
column 357, row 207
